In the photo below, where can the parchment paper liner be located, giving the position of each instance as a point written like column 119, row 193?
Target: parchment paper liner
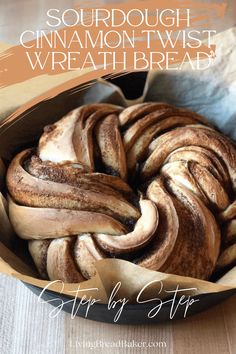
column 207, row 93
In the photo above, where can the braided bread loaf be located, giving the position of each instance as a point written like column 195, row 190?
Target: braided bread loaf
column 151, row 183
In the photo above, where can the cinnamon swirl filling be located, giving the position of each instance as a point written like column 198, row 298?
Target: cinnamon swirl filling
column 151, row 183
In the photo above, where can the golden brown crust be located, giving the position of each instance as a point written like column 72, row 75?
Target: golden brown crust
column 83, row 133
column 230, row 212
column 39, row 250
column 98, row 166
column 188, row 239
column 227, row 257
column 230, row 232
column 26, row 189
column 137, row 148
column 167, row 231
column 87, row 253
column 144, row 230
column 27, row 222
column 199, row 237
column 60, row 261
column 203, row 157
column 196, row 135
column 111, row 146
column 2, row 174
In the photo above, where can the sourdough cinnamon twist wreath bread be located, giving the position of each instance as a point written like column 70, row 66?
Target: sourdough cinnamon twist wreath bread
column 151, row 183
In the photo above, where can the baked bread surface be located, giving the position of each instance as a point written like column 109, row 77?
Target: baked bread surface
column 151, row 183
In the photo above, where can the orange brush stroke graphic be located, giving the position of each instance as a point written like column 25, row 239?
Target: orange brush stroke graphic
column 16, row 68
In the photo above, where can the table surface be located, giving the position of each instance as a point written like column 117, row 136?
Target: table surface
column 26, row 328
column 25, row 325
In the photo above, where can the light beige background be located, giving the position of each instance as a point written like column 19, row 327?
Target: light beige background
column 25, row 326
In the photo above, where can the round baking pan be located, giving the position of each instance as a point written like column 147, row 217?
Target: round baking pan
column 27, row 129
column 132, row 313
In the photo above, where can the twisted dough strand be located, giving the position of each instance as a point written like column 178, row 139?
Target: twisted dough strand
column 151, row 183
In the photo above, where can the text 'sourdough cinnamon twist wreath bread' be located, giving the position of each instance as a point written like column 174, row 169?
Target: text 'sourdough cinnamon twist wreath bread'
column 151, row 183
